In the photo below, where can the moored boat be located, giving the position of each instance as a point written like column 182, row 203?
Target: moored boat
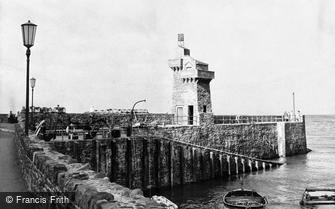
column 243, row 198
column 165, row 201
column 318, row 196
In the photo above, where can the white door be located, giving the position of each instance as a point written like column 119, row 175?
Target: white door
column 179, row 115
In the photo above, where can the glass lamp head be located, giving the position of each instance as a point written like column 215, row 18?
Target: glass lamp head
column 28, row 33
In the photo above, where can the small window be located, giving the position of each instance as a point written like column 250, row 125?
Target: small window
column 205, row 108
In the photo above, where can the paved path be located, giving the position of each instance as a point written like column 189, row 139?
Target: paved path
column 10, row 176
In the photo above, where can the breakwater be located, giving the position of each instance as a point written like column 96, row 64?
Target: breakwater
column 265, row 140
column 260, row 140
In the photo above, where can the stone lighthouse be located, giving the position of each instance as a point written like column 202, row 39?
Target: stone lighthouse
column 191, row 87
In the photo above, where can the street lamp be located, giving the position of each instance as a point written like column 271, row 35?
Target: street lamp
column 32, row 84
column 28, row 34
column 130, row 127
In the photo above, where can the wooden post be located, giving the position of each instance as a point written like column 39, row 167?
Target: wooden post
column 171, row 163
column 129, row 163
column 93, row 150
column 211, row 164
column 114, row 166
column 98, row 155
column 202, row 165
column 221, row 169
column 236, row 163
column 157, row 162
column 228, row 160
column 181, row 164
column 192, row 165
column 145, row 164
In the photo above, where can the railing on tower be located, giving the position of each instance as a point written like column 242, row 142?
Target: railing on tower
column 185, row 120
column 242, row 119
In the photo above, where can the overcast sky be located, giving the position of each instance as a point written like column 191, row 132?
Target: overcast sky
column 109, row 54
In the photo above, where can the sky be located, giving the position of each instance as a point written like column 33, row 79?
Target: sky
column 109, row 54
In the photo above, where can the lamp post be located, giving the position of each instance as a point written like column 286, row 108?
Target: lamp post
column 130, row 127
column 32, row 85
column 28, row 34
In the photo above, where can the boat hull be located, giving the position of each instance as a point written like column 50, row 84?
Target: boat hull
column 318, row 197
column 244, row 199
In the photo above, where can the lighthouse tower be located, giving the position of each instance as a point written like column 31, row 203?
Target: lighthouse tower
column 191, row 86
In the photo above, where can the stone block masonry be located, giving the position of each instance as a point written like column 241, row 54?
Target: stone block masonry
column 62, row 120
column 295, row 135
column 46, row 170
column 259, row 140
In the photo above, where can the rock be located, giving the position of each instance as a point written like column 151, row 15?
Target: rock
column 99, row 197
column 136, row 192
column 100, row 175
column 84, row 167
column 82, row 192
column 108, row 205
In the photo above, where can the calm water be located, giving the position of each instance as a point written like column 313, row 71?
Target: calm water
column 282, row 186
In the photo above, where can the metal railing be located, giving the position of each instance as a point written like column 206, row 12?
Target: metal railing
column 185, row 120
column 240, row 119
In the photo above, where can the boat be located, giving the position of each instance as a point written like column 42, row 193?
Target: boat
column 165, row 201
column 244, row 198
column 318, row 196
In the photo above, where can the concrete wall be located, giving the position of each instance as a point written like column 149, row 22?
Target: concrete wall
column 45, row 170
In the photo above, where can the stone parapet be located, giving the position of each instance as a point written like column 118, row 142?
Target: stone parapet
column 46, row 170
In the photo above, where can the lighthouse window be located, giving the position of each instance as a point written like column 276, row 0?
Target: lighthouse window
column 205, row 108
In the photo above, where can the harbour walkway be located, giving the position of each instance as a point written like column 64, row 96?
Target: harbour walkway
column 10, row 176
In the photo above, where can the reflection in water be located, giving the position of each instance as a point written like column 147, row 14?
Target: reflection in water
column 282, row 186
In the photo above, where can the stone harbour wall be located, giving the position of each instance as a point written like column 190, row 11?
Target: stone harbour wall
column 295, row 135
column 62, row 120
column 259, row 140
column 46, row 170
column 151, row 162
